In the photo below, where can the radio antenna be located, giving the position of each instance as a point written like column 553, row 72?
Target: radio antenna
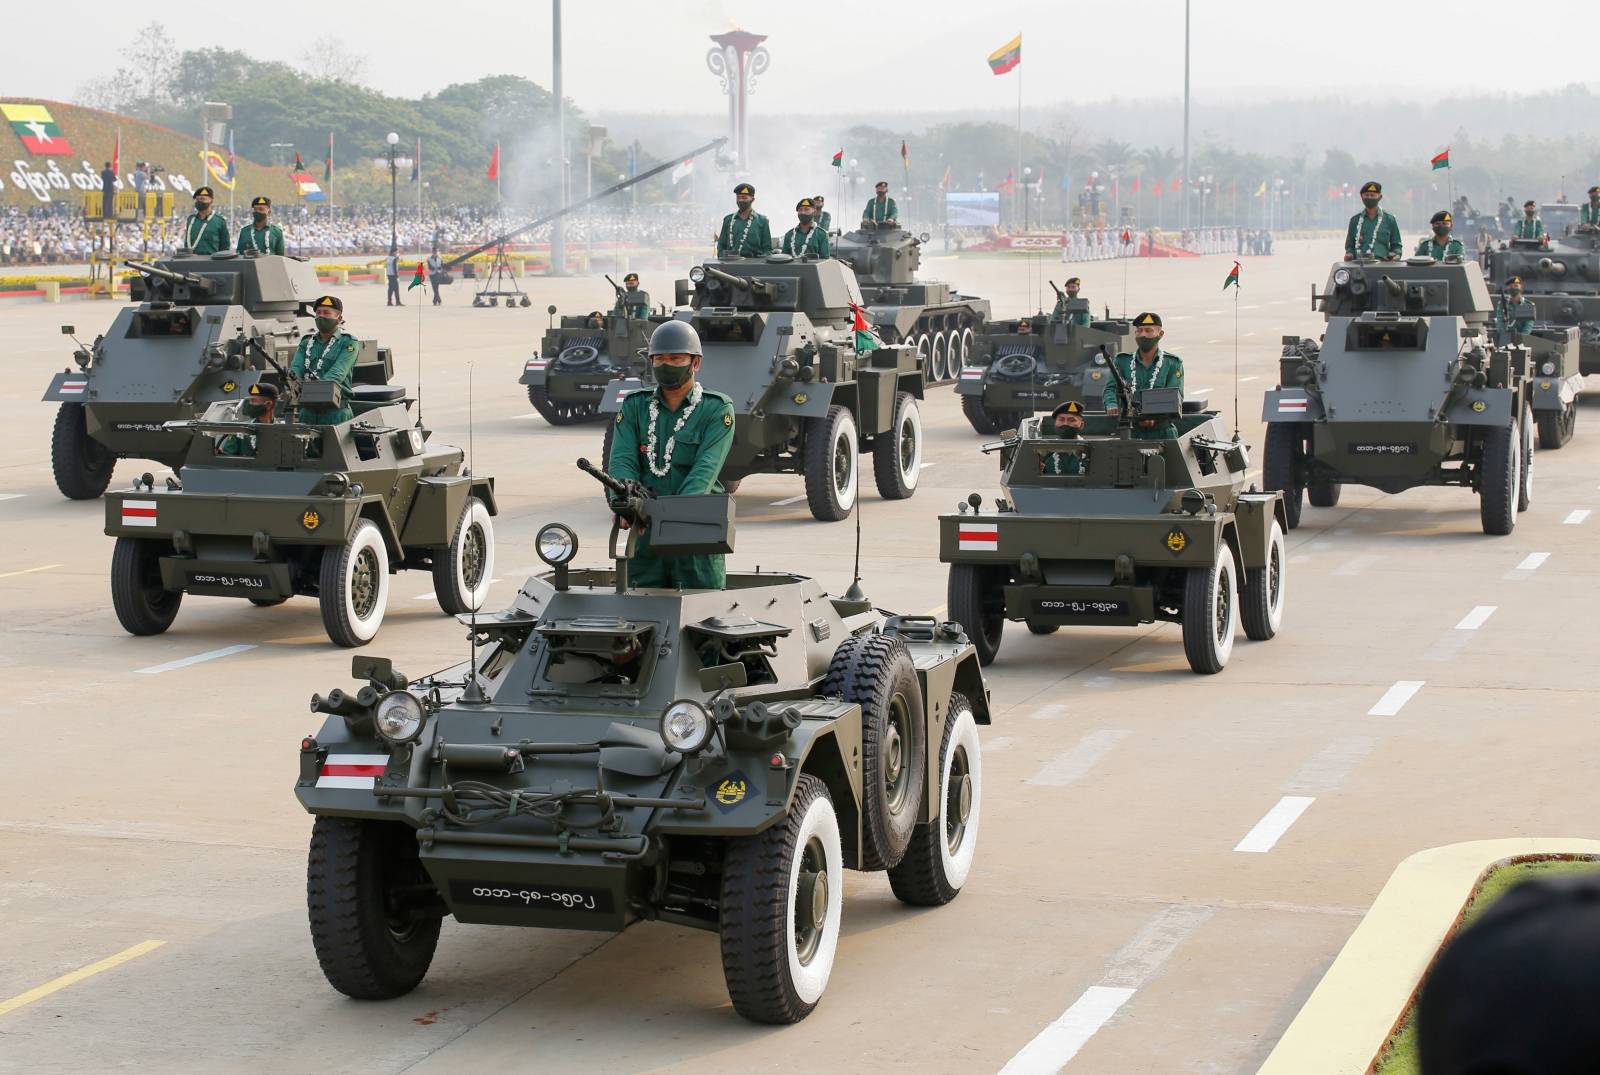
column 855, row 593
column 419, row 356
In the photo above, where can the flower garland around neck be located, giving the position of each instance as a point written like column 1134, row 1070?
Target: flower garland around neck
column 665, row 467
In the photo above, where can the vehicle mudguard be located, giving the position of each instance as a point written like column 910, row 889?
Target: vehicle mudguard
column 1291, row 405
column 876, row 390
column 437, row 505
column 535, row 371
column 1253, row 515
column 1481, row 407
column 805, row 399
column 373, row 507
column 1554, row 393
column 617, row 391
column 67, row 387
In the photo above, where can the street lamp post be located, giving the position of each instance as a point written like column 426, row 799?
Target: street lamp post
column 1027, row 185
column 394, row 193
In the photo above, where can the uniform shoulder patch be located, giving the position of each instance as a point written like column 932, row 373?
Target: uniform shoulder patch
column 727, row 420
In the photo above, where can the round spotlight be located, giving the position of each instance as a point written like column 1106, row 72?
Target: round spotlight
column 1548, row 369
column 400, row 716
column 697, row 275
column 686, row 727
column 1341, row 277
column 556, row 544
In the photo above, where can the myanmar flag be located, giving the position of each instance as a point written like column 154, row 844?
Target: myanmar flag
column 1006, row 56
column 421, row 277
column 1442, row 160
column 39, row 133
column 1233, row 277
column 838, row 159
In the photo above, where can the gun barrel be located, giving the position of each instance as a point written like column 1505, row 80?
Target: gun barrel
column 614, row 484
column 1395, row 287
column 157, row 271
column 337, row 703
column 764, row 288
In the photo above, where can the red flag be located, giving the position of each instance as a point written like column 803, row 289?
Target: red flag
column 494, row 162
column 116, row 153
column 1127, row 236
column 1010, row 182
column 860, row 324
column 903, row 155
column 1135, row 188
column 1155, row 188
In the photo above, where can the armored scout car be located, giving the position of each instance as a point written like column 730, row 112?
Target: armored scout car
column 1014, row 371
column 577, row 359
column 711, row 758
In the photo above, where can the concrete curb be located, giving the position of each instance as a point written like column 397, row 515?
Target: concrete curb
column 1362, row 997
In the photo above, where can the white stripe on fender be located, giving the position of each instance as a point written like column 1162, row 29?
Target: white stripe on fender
column 138, row 513
column 1291, row 406
column 353, row 771
column 536, row 365
column 972, row 375
column 353, row 783
column 73, row 388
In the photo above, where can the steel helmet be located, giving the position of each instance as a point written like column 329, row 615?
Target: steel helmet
column 675, row 338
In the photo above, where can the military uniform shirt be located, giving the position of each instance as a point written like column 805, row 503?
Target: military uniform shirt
column 1530, row 229
column 1080, row 317
column 1503, row 319
column 208, row 235
column 813, row 243
column 1432, row 248
column 743, row 237
column 1589, row 214
column 1165, row 372
column 267, row 240
column 634, row 304
column 1061, row 463
column 878, row 210
column 825, row 220
column 1374, row 237
column 334, row 360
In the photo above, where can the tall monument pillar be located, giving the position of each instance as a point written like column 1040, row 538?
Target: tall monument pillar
column 737, row 58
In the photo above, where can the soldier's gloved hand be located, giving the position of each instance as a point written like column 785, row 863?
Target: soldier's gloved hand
column 617, row 503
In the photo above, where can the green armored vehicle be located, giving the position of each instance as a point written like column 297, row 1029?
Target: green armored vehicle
column 935, row 319
column 202, row 329
column 1562, row 280
column 1407, row 388
column 778, row 340
column 1106, row 530
column 711, row 758
column 578, row 358
column 1037, row 363
column 276, row 509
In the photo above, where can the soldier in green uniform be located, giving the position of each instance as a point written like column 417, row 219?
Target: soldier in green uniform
column 881, row 209
column 745, row 233
column 1373, row 233
column 805, row 239
column 205, row 232
column 1078, row 317
column 1530, row 226
column 1152, row 367
column 1507, row 307
column 1589, row 215
column 1066, row 421
column 258, row 407
column 1442, row 245
column 824, row 218
column 674, row 440
column 328, row 354
column 631, row 302
column 262, row 236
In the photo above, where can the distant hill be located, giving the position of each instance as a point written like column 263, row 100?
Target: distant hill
column 34, row 175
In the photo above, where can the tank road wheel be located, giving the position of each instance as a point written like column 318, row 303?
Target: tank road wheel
column 554, row 413
column 354, row 586
column 1285, row 451
column 897, row 451
column 833, row 464
column 461, row 572
column 82, row 466
column 1210, row 613
column 977, row 599
column 1324, row 494
column 143, row 607
column 372, row 937
column 940, row 854
column 876, row 672
column 962, row 352
column 982, row 420
column 1525, row 448
column 1555, row 427
column 939, row 352
column 1498, row 472
column 782, row 897
column 1262, row 608
column 924, row 348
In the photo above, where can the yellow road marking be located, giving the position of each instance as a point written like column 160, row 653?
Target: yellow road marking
column 27, row 571
column 73, row 977
column 937, row 610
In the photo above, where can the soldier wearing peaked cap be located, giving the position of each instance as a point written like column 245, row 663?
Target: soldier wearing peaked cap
column 1066, row 422
column 1152, row 367
column 1530, row 226
column 1373, row 233
column 1507, row 307
column 257, row 406
column 1441, row 245
column 805, row 239
column 745, row 233
column 205, row 232
column 824, row 218
column 261, row 236
column 328, row 354
column 631, row 302
column 1076, row 317
column 1590, row 213
column 881, row 209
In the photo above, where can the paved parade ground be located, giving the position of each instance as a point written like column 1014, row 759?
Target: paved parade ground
column 1167, row 862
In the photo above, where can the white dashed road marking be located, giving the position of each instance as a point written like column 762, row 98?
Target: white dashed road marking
column 1048, row 712
column 1242, row 380
column 12, row 496
column 1071, row 766
column 1576, row 517
column 1396, row 697
column 185, row 662
column 1270, row 829
column 1060, row 1041
column 27, row 571
column 1357, row 565
column 1476, row 618
column 787, row 501
column 1533, row 561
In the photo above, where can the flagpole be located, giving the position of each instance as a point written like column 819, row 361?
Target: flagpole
column 1236, row 351
column 1018, row 173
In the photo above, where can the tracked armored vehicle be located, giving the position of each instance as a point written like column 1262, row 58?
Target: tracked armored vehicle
column 931, row 317
column 1562, row 280
column 1407, row 388
column 269, row 511
column 201, row 329
column 1107, row 530
column 1014, row 372
column 777, row 339
column 710, row 758
column 577, row 359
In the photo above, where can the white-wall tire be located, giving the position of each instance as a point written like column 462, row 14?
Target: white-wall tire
column 354, row 586
column 462, row 571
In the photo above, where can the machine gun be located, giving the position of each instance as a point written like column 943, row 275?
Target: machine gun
column 1060, row 296
column 763, row 288
column 189, row 279
column 1124, row 397
column 628, row 498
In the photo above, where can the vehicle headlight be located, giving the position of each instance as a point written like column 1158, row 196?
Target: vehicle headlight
column 686, row 727
column 1341, row 277
column 400, row 716
column 556, row 544
column 697, row 274
column 1548, row 369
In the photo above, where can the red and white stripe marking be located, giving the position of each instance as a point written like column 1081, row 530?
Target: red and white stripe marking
column 356, row 771
column 978, row 537
column 536, row 364
column 972, row 375
column 1292, row 406
column 73, row 388
column 138, row 513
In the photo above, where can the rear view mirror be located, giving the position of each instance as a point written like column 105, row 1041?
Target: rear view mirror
column 67, row 330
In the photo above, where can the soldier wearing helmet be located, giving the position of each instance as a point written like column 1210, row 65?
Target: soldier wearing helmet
column 674, row 440
column 1441, row 245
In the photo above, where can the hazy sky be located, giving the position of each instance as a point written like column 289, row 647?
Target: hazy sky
column 831, row 55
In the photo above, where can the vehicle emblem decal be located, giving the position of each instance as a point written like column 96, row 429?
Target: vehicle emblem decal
column 1478, row 405
column 228, row 386
column 310, row 519
column 619, row 418
column 731, row 791
column 1177, row 540
column 800, row 397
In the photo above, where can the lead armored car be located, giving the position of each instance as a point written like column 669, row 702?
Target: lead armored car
column 777, row 339
column 1013, row 372
column 1407, row 388
column 1562, row 280
column 202, row 329
column 711, row 758
column 269, row 511
column 1105, row 530
column 931, row 317
column 577, row 359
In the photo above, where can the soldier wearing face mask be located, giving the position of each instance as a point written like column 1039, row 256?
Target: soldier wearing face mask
column 805, row 239
column 1373, row 233
column 1442, row 245
column 205, row 232
column 1152, row 367
column 1065, row 422
column 262, row 236
column 745, row 233
column 1589, row 215
column 328, row 354
column 1530, row 226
